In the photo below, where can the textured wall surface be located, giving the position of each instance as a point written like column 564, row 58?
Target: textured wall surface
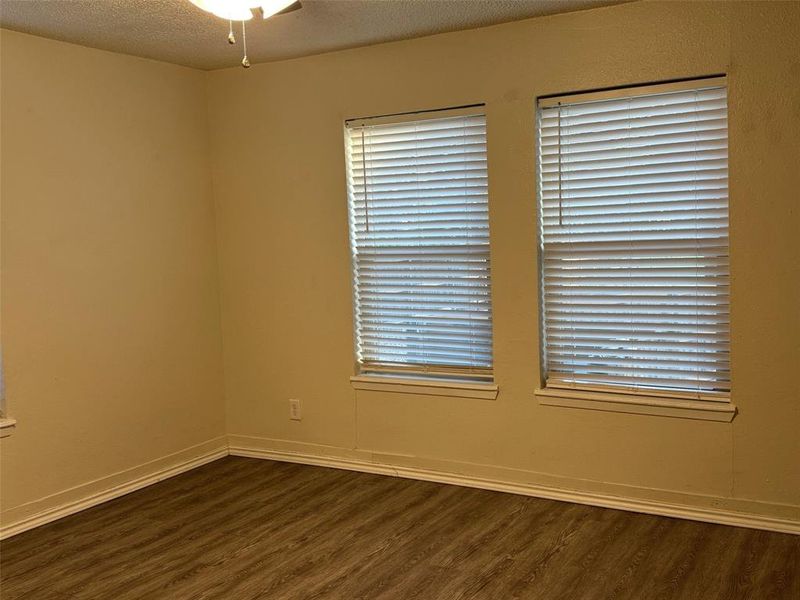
column 279, row 176
column 111, row 335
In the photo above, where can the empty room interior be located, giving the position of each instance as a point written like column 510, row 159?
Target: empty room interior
column 399, row 299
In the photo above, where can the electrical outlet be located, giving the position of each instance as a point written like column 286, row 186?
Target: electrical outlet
column 294, row 409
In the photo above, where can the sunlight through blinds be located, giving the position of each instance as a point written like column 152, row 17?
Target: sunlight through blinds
column 634, row 230
column 420, row 244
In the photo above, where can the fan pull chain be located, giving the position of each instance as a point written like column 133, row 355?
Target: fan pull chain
column 245, row 60
column 231, row 37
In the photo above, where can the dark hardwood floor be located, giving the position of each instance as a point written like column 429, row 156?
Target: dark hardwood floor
column 244, row 528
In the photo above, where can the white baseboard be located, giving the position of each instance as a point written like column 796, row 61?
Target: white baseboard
column 707, row 508
column 30, row 515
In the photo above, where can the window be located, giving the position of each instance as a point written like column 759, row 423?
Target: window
column 6, row 425
column 419, row 230
column 634, row 232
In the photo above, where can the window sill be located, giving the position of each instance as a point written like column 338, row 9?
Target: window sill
column 704, row 410
column 7, row 426
column 423, row 387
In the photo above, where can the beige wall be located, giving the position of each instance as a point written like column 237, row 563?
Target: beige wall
column 278, row 168
column 110, row 327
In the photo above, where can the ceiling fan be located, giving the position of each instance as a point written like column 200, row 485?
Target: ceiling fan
column 242, row 10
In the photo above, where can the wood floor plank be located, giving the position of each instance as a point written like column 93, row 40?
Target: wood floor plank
column 247, row 529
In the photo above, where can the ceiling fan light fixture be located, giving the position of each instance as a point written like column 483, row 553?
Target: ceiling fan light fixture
column 232, row 10
column 242, row 10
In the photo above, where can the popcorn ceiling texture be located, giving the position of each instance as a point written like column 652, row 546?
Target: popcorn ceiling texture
column 178, row 32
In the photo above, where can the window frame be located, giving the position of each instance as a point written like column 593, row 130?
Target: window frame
column 7, row 424
column 647, row 401
column 424, row 379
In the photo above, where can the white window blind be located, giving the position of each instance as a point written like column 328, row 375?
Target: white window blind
column 634, row 230
column 419, row 233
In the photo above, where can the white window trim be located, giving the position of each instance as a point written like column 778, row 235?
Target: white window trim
column 450, row 387
column 640, row 403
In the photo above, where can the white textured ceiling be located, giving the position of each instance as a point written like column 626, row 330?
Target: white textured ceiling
column 178, row 32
